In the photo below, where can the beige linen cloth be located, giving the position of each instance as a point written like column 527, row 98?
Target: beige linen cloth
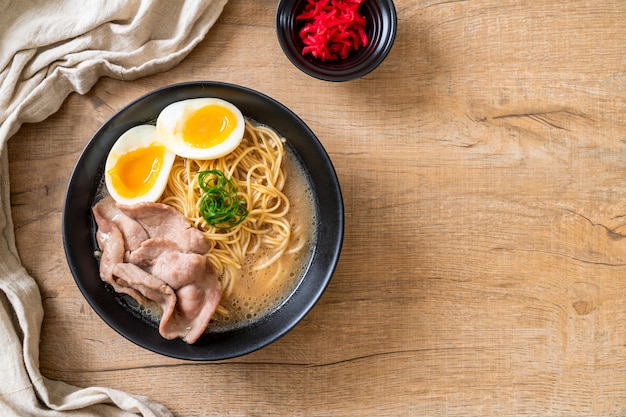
column 48, row 49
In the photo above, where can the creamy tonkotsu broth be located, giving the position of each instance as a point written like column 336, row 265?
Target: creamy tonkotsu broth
column 255, row 294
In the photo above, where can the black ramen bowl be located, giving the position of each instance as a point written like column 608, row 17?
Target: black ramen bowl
column 381, row 28
column 79, row 227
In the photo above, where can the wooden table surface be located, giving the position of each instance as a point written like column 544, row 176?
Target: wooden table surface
column 483, row 270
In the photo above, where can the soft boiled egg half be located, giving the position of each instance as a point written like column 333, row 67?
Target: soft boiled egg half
column 200, row 128
column 138, row 166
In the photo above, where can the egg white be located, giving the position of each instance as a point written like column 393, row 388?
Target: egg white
column 138, row 137
column 171, row 119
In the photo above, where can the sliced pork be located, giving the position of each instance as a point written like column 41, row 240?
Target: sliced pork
column 198, row 295
column 151, row 252
column 161, row 220
column 131, row 276
column 133, row 232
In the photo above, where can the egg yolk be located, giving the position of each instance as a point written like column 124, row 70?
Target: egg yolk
column 209, row 126
column 135, row 172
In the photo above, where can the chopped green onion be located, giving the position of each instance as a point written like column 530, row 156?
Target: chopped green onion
column 220, row 205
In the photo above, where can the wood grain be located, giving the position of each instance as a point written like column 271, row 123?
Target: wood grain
column 484, row 262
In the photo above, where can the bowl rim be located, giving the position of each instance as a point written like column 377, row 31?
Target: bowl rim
column 78, row 224
column 335, row 71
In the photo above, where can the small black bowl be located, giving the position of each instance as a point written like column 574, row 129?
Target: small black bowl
column 79, row 229
column 381, row 28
